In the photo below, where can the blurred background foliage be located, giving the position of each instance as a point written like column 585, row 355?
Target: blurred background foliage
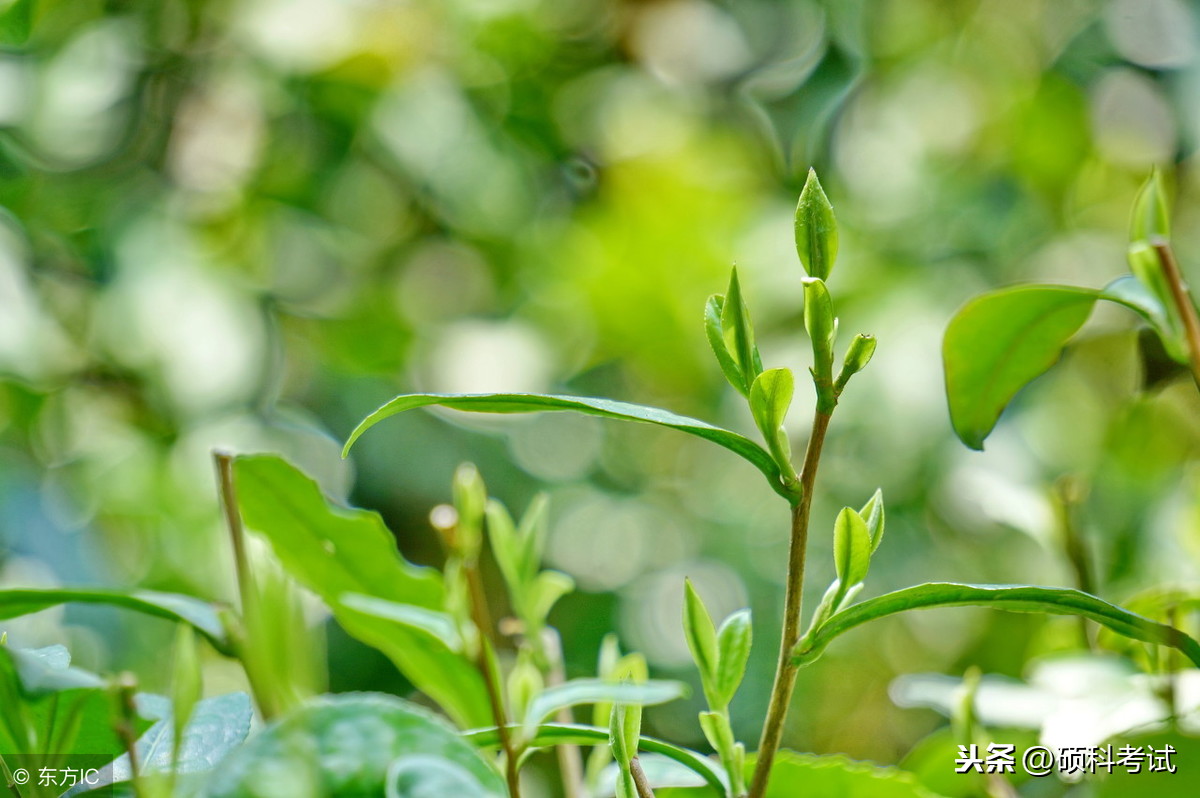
column 246, row 224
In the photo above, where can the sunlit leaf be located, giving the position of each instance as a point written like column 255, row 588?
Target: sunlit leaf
column 606, row 408
column 1013, row 598
column 335, row 552
column 200, row 614
column 998, row 342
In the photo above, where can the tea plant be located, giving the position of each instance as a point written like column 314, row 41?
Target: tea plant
column 501, row 685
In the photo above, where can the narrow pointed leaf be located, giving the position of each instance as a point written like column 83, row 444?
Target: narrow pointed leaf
column 715, row 332
column 701, row 636
column 872, row 512
column 738, row 332
column 1151, row 220
column 1013, row 598
column 733, row 641
column 606, row 408
column 201, row 615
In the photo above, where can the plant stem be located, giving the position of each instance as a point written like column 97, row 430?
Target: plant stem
column 639, row 779
column 1183, row 304
column 785, row 671
column 570, row 757
column 1067, row 497
column 491, row 679
column 245, row 581
column 126, row 687
column 8, row 778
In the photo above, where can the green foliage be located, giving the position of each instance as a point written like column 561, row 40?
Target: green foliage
column 202, row 615
column 605, row 408
column 215, row 727
column 594, row 691
column 346, row 745
column 1013, row 598
column 555, row 734
column 816, row 229
column 795, row 774
column 54, row 712
column 336, row 552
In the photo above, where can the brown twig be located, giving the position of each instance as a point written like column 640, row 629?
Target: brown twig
column 639, row 779
column 570, row 757
column 785, row 672
column 1183, row 305
column 482, row 620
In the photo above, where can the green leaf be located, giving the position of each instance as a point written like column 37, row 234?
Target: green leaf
column 701, row 637
column 606, row 408
column 858, row 355
column 1000, row 341
column 59, row 710
column 794, row 774
column 592, row 691
column 1013, row 598
column 733, row 641
column 548, row 735
column 713, row 309
column 548, row 588
column 345, row 745
column 872, row 512
column 201, row 615
column 851, row 547
column 429, row 776
column 770, row 398
column 216, row 727
column 336, row 551
column 816, row 229
column 1151, row 219
column 438, row 624
column 16, row 22
column 738, row 333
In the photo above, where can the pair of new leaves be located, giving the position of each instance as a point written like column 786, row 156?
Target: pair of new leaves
column 731, row 334
column 856, row 536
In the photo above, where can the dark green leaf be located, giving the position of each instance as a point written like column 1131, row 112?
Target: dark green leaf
column 63, row 710
column 345, row 745
column 1000, row 341
column 552, row 734
column 201, row 615
column 816, row 229
column 1013, row 598
column 336, row 551
column 606, row 408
